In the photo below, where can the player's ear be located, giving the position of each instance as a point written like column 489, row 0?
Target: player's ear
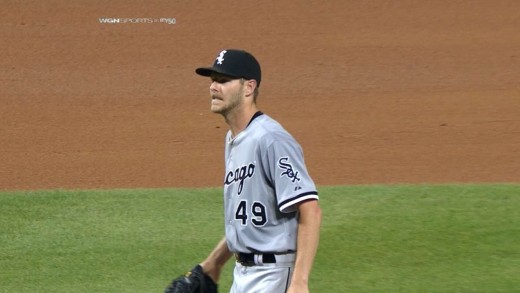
column 250, row 86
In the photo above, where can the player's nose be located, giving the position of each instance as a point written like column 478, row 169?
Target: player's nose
column 213, row 86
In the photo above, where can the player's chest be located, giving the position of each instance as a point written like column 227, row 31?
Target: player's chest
column 242, row 165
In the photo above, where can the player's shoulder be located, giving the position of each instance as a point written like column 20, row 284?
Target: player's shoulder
column 267, row 126
column 267, row 121
column 268, row 130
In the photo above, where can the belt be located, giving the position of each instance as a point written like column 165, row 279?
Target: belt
column 251, row 259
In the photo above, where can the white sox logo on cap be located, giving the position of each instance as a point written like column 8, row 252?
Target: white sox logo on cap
column 220, row 57
column 238, row 64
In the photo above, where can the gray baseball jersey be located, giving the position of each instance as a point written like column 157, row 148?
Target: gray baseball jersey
column 265, row 178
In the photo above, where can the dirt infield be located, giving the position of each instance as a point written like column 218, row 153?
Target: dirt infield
column 375, row 91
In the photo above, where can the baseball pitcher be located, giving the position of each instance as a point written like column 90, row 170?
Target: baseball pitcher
column 271, row 211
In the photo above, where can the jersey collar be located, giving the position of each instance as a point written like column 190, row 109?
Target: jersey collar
column 256, row 115
column 231, row 139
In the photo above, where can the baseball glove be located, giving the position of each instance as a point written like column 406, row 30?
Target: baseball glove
column 194, row 281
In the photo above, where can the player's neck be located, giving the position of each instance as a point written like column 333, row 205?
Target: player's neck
column 238, row 120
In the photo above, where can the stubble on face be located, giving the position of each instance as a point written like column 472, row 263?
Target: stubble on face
column 224, row 105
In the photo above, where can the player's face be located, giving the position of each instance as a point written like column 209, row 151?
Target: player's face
column 226, row 93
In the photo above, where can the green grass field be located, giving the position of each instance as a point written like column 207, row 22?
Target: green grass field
column 445, row 238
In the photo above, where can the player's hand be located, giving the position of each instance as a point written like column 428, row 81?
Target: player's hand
column 193, row 281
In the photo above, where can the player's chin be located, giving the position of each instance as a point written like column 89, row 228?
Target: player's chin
column 216, row 109
column 217, row 106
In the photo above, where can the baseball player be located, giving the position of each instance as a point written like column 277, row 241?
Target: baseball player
column 272, row 215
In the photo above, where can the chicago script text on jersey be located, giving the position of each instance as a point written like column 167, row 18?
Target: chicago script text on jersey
column 239, row 175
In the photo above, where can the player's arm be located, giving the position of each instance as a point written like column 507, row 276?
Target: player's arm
column 307, row 244
column 213, row 264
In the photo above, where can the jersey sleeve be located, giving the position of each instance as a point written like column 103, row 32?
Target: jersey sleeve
column 289, row 174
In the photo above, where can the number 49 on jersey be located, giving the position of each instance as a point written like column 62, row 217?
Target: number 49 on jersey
column 256, row 211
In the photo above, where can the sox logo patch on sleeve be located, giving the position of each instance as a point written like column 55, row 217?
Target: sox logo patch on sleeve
column 288, row 169
column 265, row 178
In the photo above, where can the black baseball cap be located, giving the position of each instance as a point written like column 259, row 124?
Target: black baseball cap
column 234, row 63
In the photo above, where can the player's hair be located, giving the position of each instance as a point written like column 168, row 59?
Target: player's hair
column 256, row 91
